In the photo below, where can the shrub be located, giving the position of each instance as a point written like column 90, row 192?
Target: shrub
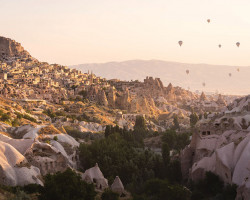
column 110, row 195
column 5, row 117
column 65, row 186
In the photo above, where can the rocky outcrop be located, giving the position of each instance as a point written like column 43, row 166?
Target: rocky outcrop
column 47, row 158
column 203, row 97
column 117, row 186
column 95, row 176
column 222, row 146
column 15, row 169
column 10, row 49
column 102, row 99
column 153, row 84
column 220, row 101
column 90, row 127
column 48, row 151
column 111, row 97
column 124, row 100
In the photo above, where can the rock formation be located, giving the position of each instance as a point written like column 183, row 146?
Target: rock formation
column 203, row 97
column 45, row 150
column 111, row 97
column 221, row 145
column 117, row 186
column 220, row 101
column 10, row 48
column 95, row 176
column 15, row 169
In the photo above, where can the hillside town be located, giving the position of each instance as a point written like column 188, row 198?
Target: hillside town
column 26, row 80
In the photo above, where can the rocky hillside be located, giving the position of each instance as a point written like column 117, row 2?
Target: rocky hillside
column 221, row 144
column 10, row 49
column 39, row 151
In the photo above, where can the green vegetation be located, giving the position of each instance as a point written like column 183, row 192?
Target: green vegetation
column 65, row 186
column 21, row 195
column 194, row 118
column 176, row 125
column 84, row 94
column 174, row 140
column 6, row 117
column 212, row 187
column 122, row 153
column 25, row 116
column 109, row 195
column 156, row 189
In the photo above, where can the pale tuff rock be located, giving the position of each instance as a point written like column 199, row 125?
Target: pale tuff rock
column 220, row 101
column 90, row 127
column 171, row 97
column 203, row 97
column 111, row 97
column 117, row 186
column 94, row 175
column 222, row 145
column 47, row 158
column 4, row 127
column 124, row 100
column 135, row 107
column 239, row 105
column 102, row 99
column 22, row 145
column 14, row 168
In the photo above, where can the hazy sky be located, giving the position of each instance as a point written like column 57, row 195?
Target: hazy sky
column 82, row 31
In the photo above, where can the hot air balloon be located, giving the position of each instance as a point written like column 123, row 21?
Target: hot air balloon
column 237, row 44
column 204, row 84
column 208, row 20
column 238, row 69
column 219, row 45
column 187, row 71
column 180, row 43
column 230, row 74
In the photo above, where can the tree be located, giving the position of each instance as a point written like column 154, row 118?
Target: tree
column 194, row 118
column 109, row 195
column 21, row 195
column 161, row 190
column 140, row 123
column 66, row 185
column 140, row 129
column 5, row 117
column 174, row 172
column 165, row 153
column 83, row 93
column 205, row 115
column 176, row 125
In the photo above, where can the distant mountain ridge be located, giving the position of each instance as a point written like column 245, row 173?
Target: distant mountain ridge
column 215, row 77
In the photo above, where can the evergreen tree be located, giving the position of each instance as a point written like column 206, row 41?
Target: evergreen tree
column 176, row 125
column 165, row 153
column 65, row 186
column 193, row 119
column 107, row 131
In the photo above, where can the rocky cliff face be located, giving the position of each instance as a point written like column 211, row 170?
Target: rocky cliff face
column 23, row 161
column 221, row 144
column 11, row 49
